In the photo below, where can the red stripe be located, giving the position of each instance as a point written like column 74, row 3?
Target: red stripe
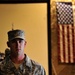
column 63, row 42
column 68, row 39
column 59, row 58
column 73, row 34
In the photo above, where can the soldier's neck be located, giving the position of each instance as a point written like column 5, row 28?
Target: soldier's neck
column 18, row 59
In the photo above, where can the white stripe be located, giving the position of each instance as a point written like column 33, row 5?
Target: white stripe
column 61, row 43
column 66, row 43
column 71, row 43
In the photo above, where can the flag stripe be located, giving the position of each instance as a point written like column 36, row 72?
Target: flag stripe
column 68, row 40
column 63, row 41
column 73, row 43
column 66, row 43
column 60, row 44
column 70, row 44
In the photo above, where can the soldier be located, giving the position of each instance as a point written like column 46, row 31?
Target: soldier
column 17, row 62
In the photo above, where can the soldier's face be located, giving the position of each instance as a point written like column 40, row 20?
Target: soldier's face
column 17, row 46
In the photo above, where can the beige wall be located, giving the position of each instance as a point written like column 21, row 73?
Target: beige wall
column 32, row 18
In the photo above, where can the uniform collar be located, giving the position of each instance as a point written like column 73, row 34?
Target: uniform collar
column 27, row 61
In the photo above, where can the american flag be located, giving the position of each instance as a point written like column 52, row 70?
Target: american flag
column 66, row 32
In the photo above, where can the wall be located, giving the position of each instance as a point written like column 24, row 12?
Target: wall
column 32, row 18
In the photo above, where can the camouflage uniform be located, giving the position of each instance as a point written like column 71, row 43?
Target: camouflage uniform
column 28, row 67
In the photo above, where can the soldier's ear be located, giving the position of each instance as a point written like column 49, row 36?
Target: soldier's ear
column 25, row 43
column 8, row 44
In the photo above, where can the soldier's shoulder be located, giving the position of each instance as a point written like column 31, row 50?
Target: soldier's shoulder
column 38, row 67
column 36, row 64
column 2, row 62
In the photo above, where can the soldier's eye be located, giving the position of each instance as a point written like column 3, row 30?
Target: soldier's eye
column 20, row 40
column 13, row 41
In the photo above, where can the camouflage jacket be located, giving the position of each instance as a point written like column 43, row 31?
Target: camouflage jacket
column 28, row 67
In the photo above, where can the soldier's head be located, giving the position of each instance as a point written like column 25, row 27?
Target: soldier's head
column 16, row 40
